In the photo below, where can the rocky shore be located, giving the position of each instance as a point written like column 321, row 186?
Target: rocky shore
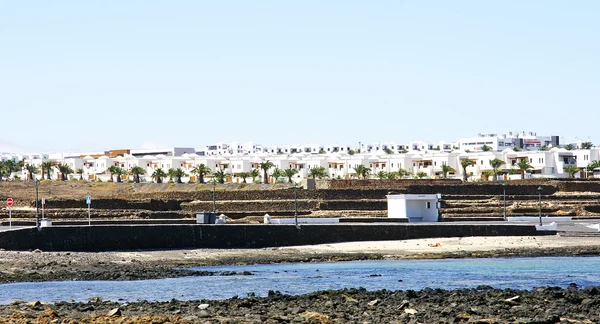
column 33, row 266
column 482, row 305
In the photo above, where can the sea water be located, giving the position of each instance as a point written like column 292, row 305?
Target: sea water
column 300, row 278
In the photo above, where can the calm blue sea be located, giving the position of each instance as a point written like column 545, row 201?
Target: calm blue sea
column 300, row 278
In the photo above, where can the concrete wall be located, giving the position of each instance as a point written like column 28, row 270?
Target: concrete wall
column 111, row 237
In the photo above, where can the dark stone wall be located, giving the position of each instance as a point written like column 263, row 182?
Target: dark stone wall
column 127, row 237
column 116, row 203
column 375, row 183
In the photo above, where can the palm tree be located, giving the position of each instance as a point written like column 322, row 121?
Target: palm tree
column 136, row 171
column 265, row 166
column 496, row 164
column 289, row 173
column 587, row 145
column 485, row 175
column 120, row 172
column 20, row 165
column 171, row 174
column 420, row 175
column 571, row 170
column 277, row 173
column 2, row 169
column 391, row 175
column 381, row 175
column 486, row 148
column 255, row 173
column 464, row 164
column 403, row 172
column 10, row 166
column 243, row 176
column 569, row 147
column 362, row 171
column 446, row 169
column 591, row 166
column 179, row 173
column 48, row 167
column 112, row 170
column 64, row 170
column 201, row 170
column 317, row 172
column 158, row 174
column 523, row 166
column 115, row 170
column 220, row 176
column 388, row 151
column 31, row 169
column 80, row 172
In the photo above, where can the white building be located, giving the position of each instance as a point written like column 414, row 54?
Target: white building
column 522, row 140
column 415, row 208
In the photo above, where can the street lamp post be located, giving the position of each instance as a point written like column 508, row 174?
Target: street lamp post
column 540, row 202
column 37, row 208
column 214, row 197
column 504, row 195
column 295, row 205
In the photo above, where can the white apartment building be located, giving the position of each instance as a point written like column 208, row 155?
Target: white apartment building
column 522, row 140
column 551, row 163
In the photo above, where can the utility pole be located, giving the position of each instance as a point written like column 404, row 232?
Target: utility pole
column 504, row 194
column 540, row 202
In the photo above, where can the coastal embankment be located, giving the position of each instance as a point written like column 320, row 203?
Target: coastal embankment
column 247, row 203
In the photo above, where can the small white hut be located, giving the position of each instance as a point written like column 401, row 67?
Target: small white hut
column 416, row 208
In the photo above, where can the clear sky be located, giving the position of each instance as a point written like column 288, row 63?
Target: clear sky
column 96, row 75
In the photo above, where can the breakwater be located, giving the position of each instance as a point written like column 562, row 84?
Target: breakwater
column 127, row 237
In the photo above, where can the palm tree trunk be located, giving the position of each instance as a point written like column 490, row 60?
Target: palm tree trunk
column 522, row 174
column 266, row 177
column 158, row 180
column 465, row 174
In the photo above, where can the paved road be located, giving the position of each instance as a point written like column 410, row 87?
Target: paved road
column 7, row 228
column 573, row 226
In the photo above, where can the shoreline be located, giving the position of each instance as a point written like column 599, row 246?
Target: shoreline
column 36, row 266
column 483, row 304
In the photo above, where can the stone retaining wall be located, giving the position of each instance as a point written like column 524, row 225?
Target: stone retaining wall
column 131, row 237
column 372, row 183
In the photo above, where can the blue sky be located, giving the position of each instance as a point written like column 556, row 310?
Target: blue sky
column 95, row 75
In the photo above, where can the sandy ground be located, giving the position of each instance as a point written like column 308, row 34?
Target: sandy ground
column 390, row 249
column 448, row 245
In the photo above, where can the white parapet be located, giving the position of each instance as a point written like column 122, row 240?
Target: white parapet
column 292, row 221
column 537, row 218
column 45, row 223
column 547, row 227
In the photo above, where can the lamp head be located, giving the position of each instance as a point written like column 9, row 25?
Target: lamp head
column 540, row 188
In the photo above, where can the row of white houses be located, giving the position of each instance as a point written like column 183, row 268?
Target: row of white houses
column 550, row 164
